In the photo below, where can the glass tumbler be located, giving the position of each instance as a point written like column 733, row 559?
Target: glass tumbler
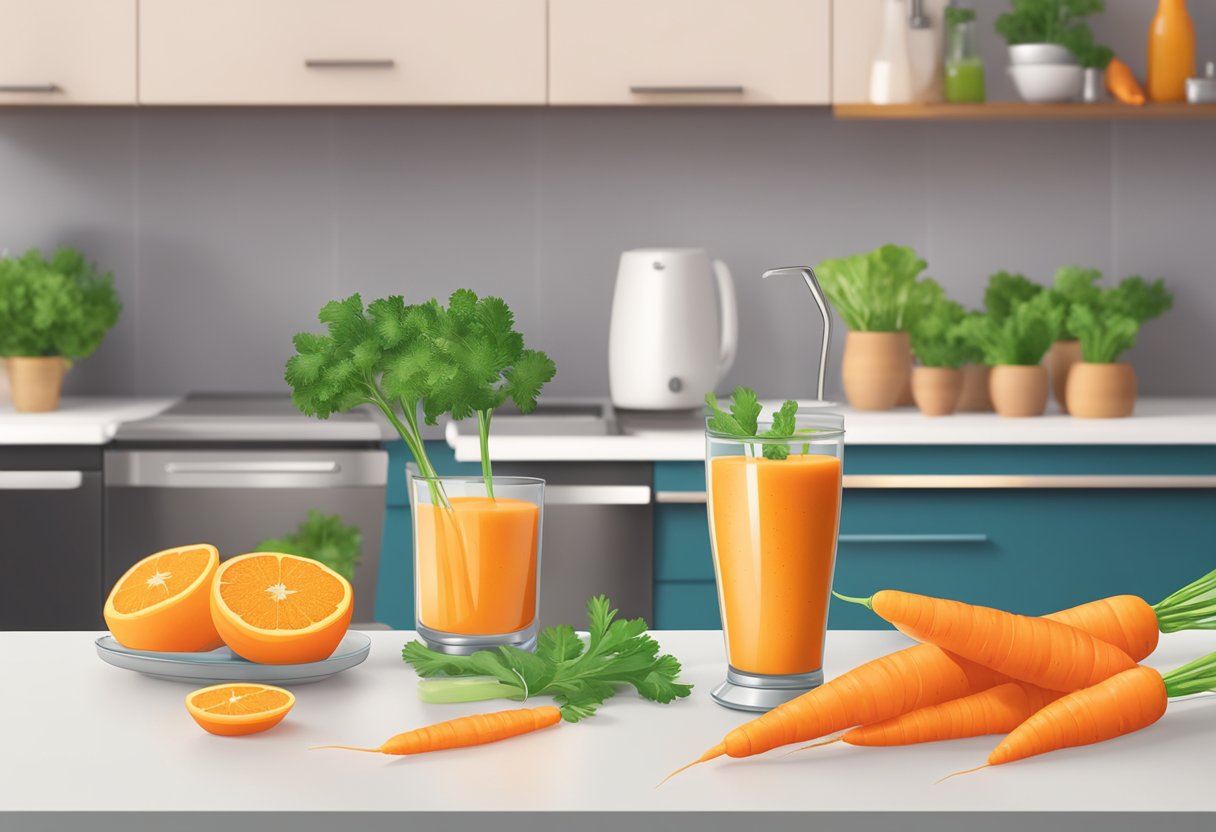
column 476, row 561
column 774, row 517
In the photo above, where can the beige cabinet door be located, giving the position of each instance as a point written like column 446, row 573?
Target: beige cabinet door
column 67, row 52
column 689, row 51
column 856, row 29
column 342, row 52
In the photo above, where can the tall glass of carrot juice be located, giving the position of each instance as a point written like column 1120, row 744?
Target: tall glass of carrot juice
column 774, row 515
column 476, row 561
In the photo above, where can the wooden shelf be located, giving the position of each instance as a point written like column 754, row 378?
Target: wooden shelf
column 1019, row 111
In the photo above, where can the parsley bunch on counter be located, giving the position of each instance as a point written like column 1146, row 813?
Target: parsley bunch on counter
column 580, row 677
column 743, row 420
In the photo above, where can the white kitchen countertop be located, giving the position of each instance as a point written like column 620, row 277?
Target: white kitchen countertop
column 1157, row 421
column 80, row 420
column 80, row 735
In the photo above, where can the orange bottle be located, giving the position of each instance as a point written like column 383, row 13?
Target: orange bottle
column 1171, row 51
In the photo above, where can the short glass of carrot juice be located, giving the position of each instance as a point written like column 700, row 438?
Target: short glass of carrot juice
column 774, row 516
column 476, row 561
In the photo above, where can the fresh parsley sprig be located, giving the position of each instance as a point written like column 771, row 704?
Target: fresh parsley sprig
column 743, row 421
column 580, row 677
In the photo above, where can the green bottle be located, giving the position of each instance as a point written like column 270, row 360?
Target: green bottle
column 964, row 69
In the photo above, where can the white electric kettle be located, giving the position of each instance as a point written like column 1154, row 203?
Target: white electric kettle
column 675, row 328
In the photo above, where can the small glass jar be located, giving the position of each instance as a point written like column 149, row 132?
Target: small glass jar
column 476, row 561
column 774, row 518
column 964, row 68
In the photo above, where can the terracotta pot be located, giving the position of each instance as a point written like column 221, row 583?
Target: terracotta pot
column 1101, row 391
column 906, row 399
column 1059, row 360
column 975, row 397
column 36, row 382
column 1018, row 390
column 936, row 389
column 876, row 369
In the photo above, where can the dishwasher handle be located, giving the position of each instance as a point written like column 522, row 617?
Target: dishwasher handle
column 41, row 480
column 246, row 469
column 254, row 467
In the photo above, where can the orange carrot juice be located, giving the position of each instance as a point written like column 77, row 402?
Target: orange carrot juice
column 773, row 524
column 477, row 565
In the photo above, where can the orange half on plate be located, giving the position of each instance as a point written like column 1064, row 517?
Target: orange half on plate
column 234, row 709
column 161, row 603
column 280, row 609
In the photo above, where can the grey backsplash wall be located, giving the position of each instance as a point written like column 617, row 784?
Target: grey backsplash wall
column 227, row 229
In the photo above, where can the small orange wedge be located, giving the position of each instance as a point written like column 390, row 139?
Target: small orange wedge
column 161, row 603
column 239, row 708
column 280, row 609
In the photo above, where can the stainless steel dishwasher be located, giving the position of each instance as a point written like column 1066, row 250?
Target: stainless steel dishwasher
column 234, row 470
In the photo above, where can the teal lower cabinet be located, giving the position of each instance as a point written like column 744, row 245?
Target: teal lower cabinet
column 1034, row 546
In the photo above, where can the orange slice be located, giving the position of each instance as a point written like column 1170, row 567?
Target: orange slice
column 161, row 603
column 239, row 708
column 280, row 609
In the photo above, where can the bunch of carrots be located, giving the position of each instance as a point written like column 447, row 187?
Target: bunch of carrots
column 1066, row 679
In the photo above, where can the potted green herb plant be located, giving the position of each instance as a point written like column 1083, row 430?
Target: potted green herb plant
column 879, row 296
column 1014, row 334
column 1101, row 386
column 476, row 539
column 1004, row 292
column 1073, row 286
column 1047, row 41
column 940, row 346
column 52, row 313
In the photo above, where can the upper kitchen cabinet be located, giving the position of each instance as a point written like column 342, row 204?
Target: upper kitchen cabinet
column 247, row 52
column 67, row 52
column 689, row 52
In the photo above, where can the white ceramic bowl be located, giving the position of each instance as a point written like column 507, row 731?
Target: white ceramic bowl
column 1040, row 53
column 1048, row 83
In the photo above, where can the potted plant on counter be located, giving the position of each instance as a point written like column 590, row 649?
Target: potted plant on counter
column 1073, row 286
column 1013, row 340
column 942, row 349
column 1101, row 386
column 879, row 296
column 52, row 313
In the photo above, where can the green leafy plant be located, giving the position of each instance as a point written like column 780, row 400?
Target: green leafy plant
column 463, row 359
column 955, row 15
column 743, row 421
column 1108, row 322
column 1023, row 336
column 324, row 538
column 1049, row 21
column 57, row 307
column 1006, row 292
column 580, row 676
column 877, row 291
column 938, row 339
column 1074, row 286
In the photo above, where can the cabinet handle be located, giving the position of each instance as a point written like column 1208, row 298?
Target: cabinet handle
column 931, row 481
column 350, row 63
column 680, row 497
column 695, row 89
column 913, row 538
column 40, row 480
column 30, row 88
column 597, row 495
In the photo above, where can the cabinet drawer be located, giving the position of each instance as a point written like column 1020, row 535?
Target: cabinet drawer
column 342, row 52
column 689, row 51
column 67, row 52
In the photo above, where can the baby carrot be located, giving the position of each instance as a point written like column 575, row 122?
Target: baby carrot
column 1124, row 703
column 466, row 731
column 925, row 675
column 997, row 710
column 1036, row 650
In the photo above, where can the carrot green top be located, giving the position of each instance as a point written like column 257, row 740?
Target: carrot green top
column 1197, row 677
column 1191, row 608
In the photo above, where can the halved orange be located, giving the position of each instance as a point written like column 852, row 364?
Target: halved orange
column 161, row 603
column 280, row 609
column 238, row 708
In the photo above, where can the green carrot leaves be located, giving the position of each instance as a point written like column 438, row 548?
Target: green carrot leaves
column 579, row 677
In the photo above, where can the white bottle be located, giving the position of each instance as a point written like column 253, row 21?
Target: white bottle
column 891, row 73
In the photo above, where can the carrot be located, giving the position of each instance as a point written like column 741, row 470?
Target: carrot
column 997, row 710
column 466, row 731
column 1036, row 650
column 1122, row 84
column 924, row 675
column 1124, row 703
